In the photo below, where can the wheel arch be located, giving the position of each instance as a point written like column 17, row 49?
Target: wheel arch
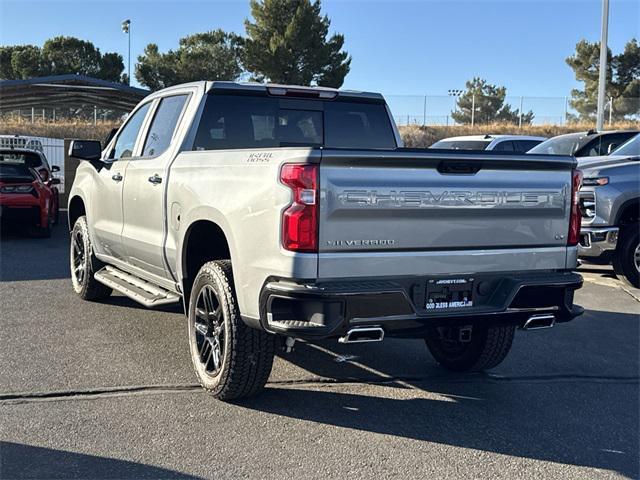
column 629, row 212
column 77, row 208
column 204, row 241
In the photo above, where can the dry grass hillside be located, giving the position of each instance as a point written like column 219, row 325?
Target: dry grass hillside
column 66, row 129
column 414, row 136
column 420, row 137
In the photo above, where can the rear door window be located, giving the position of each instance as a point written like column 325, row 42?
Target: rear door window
column 164, row 124
column 523, row 146
column 506, row 146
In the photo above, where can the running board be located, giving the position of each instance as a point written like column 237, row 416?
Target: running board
column 146, row 293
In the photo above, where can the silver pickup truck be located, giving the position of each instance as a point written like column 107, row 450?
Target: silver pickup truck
column 610, row 207
column 276, row 213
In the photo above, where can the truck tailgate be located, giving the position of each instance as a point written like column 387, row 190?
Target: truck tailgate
column 421, row 201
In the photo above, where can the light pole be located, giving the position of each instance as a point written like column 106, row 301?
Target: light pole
column 602, row 79
column 126, row 28
column 455, row 93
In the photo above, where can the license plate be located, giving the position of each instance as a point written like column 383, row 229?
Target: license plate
column 449, row 293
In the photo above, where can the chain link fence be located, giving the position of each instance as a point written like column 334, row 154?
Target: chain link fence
column 445, row 110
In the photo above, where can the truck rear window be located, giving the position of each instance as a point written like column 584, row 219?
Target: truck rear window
column 242, row 121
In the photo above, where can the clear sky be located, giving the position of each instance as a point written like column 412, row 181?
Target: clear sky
column 398, row 47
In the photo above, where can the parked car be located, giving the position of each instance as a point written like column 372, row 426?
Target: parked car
column 610, row 206
column 41, row 164
column 275, row 213
column 499, row 143
column 584, row 144
column 25, row 198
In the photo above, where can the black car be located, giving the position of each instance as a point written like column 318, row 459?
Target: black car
column 584, row 144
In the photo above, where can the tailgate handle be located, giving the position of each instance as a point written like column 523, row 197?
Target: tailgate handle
column 459, row 168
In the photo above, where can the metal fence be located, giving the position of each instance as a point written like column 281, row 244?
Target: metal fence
column 442, row 110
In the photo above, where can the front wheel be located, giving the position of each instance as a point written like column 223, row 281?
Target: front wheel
column 84, row 264
column 626, row 261
column 480, row 349
column 230, row 359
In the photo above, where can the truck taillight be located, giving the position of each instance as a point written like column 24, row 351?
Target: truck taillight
column 300, row 219
column 575, row 218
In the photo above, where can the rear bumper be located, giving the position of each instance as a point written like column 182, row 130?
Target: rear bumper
column 28, row 215
column 329, row 309
column 594, row 241
column 23, row 209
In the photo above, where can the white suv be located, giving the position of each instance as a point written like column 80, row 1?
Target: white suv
column 500, row 143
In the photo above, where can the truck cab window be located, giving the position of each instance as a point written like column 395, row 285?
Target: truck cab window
column 126, row 141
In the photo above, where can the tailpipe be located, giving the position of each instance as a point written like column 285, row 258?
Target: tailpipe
column 362, row 335
column 537, row 322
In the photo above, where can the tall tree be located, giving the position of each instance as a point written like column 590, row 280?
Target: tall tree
column 213, row 55
column 287, row 43
column 58, row 56
column 26, row 61
column 20, row 61
column 489, row 103
column 111, row 68
column 623, row 79
column 71, row 55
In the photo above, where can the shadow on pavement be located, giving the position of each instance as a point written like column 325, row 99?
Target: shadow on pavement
column 18, row 461
column 587, row 421
column 23, row 257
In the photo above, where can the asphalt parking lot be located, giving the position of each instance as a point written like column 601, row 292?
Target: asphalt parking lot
column 92, row 390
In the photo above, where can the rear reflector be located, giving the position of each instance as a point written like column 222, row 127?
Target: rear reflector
column 575, row 218
column 300, row 219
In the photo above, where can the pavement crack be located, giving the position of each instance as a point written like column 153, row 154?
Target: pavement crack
column 631, row 293
column 28, row 397
column 413, row 382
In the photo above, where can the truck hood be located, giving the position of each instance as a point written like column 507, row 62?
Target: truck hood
column 590, row 164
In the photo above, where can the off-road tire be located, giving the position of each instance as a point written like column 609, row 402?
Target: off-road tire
column 624, row 258
column 87, row 287
column 248, row 353
column 488, row 347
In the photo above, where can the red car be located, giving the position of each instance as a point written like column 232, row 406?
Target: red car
column 25, row 196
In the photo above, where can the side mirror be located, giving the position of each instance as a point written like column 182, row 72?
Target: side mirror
column 55, row 181
column 55, row 168
column 85, row 150
column 612, row 147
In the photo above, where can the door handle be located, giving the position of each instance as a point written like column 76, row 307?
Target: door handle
column 155, row 179
column 116, row 177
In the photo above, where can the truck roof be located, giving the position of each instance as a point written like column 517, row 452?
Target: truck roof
column 277, row 89
column 274, row 88
column 493, row 137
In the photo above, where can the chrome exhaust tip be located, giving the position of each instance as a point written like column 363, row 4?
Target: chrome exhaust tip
column 537, row 322
column 362, row 335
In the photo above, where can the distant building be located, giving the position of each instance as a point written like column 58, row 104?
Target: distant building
column 68, row 96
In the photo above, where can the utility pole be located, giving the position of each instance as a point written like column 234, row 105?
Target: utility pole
column 602, row 79
column 424, row 112
column 520, row 114
column 126, row 28
column 473, row 109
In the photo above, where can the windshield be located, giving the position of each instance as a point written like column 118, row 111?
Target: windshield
column 462, row 144
column 244, row 121
column 630, row 148
column 562, row 145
